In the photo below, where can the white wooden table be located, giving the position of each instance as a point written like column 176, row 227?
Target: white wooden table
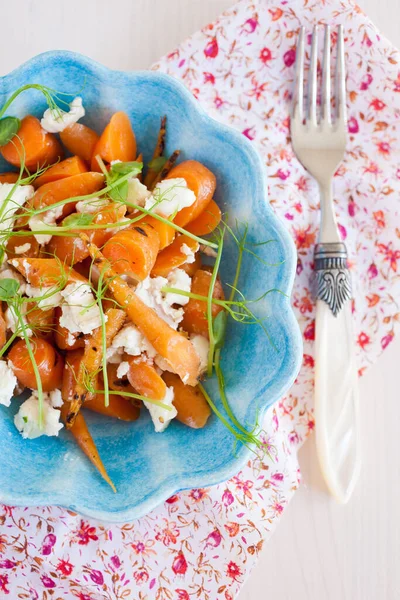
column 320, row 551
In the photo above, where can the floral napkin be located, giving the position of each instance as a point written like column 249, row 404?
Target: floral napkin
column 203, row 543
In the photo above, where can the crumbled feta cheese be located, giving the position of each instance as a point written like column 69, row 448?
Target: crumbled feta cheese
column 79, row 311
column 123, row 369
column 189, row 253
column 13, row 323
column 149, row 291
column 163, row 364
column 170, row 196
column 129, row 340
column 51, row 297
column 202, row 346
column 44, row 221
column 179, row 279
column 23, row 248
column 160, row 416
column 27, row 418
column 137, row 192
column 8, row 382
column 11, row 202
column 7, row 273
column 55, row 121
column 92, row 205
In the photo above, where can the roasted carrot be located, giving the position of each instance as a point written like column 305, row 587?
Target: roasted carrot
column 42, row 322
column 85, row 441
column 70, row 187
column 207, row 221
column 63, row 337
column 166, row 169
column 49, row 363
column 117, row 384
column 92, row 359
column 43, row 272
column 9, row 177
column 158, row 151
column 66, row 168
column 173, row 256
column 33, row 145
column 165, row 232
column 195, row 311
column 117, row 142
column 201, row 181
column 80, row 140
column 29, row 245
column 176, row 349
column 133, row 251
column 3, row 327
column 191, row 268
column 192, row 407
column 145, row 380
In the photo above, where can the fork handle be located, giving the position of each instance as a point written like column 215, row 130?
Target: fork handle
column 328, row 231
column 336, row 400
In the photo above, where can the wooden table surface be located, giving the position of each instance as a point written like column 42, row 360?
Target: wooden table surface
column 320, row 551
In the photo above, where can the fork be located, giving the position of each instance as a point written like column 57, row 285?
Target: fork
column 319, row 142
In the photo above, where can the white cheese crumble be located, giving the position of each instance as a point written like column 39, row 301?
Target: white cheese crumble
column 55, row 121
column 179, row 279
column 137, row 192
column 11, row 202
column 160, row 416
column 13, row 323
column 7, row 273
column 50, row 296
column 123, row 369
column 27, row 418
column 44, row 221
column 22, row 249
column 79, row 311
column 202, row 346
column 170, row 196
column 8, row 383
column 131, row 341
column 91, row 205
column 189, row 253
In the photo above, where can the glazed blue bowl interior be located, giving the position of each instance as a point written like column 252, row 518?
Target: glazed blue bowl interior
column 147, row 467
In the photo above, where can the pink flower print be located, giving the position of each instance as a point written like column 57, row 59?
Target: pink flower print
column 294, row 437
column 209, row 78
column 85, row 534
column 372, row 168
column 379, row 217
column 250, row 25
column 228, row 596
column 275, row 13
column 169, row 535
column 214, row 538
column 179, row 565
column 227, row 498
column 172, row 499
column 289, row 57
column 258, row 89
column 301, row 184
column 342, row 231
column 308, row 361
column 139, row 548
column 141, row 576
column 218, row 102
column 47, row 582
column 351, row 207
column 7, row 564
column 377, row 104
column 383, row 148
column 232, row 528
column 372, row 300
column 299, row 267
column 391, row 255
column 115, row 561
column 366, row 82
column 65, row 567
column 211, row 49
column 265, row 55
column 48, row 544
column 4, row 583
column 233, row 571
column 250, row 133
column 352, row 125
column 182, row 595
column 363, row 340
column 96, row 577
column 277, row 477
column 277, row 507
column 282, row 174
column 396, row 87
column 398, row 177
column 198, row 494
column 309, row 332
column 304, row 238
column 372, row 271
column 366, row 40
column 245, row 486
column 385, row 341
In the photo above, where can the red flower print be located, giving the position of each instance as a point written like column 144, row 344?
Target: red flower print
column 249, row 133
column 275, row 13
column 85, row 533
column 139, row 547
column 3, row 584
column 377, row 104
column 227, row 498
column 65, row 567
column 258, row 89
column 211, row 50
column 233, row 571
column 309, row 332
column 245, row 486
column 214, row 538
column 373, row 300
column 385, row 341
column 198, row 494
column 379, row 217
column 232, row 528
column 141, row 576
column 169, row 534
column 308, row 361
column 182, row 595
column 304, row 304
column 391, row 255
column 304, row 238
column 383, row 148
column 47, row 582
column 311, row 425
column 228, row 596
column 172, row 499
column 265, row 55
column 363, row 340
column 294, row 437
column 366, row 81
column 179, row 565
column 301, row 184
column 299, row 267
column 366, row 40
column 218, row 102
column 289, row 57
column 209, row 78
column 352, row 125
column 250, row 25
column 372, row 168
column 372, row 271
column 48, row 544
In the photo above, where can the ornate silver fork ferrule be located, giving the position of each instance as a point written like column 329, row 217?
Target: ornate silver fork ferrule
column 332, row 275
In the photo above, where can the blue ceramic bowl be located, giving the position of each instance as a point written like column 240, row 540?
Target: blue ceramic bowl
column 147, row 467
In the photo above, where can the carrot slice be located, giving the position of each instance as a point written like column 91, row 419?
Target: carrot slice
column 207, row 221
column 133, row 251
column 117, row 142
column 17, row 243
column 33, row 145
column 66, row 168
column 70, row 187
column 191, row 268
column 63, row 337
column 9, row 177
column 3, row 327
column 165, row 232
column 42, row 322
column 80, row 140
column 121, row 385
column 192, row 407
column 145, row 380
column 195, row 311
column 201, row 181
column 173, row 256
column 49, row 363
column 176, row 349
column 42, row 272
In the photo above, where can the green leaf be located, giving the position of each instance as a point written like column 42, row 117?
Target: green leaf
column 119, row 193
column 25, row 419
column 9, row 126
column 123, row 168
column 78, row 220
column 8, row 288
column 219, row 329
column 157, row 163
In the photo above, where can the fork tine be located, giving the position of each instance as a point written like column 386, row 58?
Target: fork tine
column 298, row 99
column 312, row 78
column 340, row 78
column 326, row 77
